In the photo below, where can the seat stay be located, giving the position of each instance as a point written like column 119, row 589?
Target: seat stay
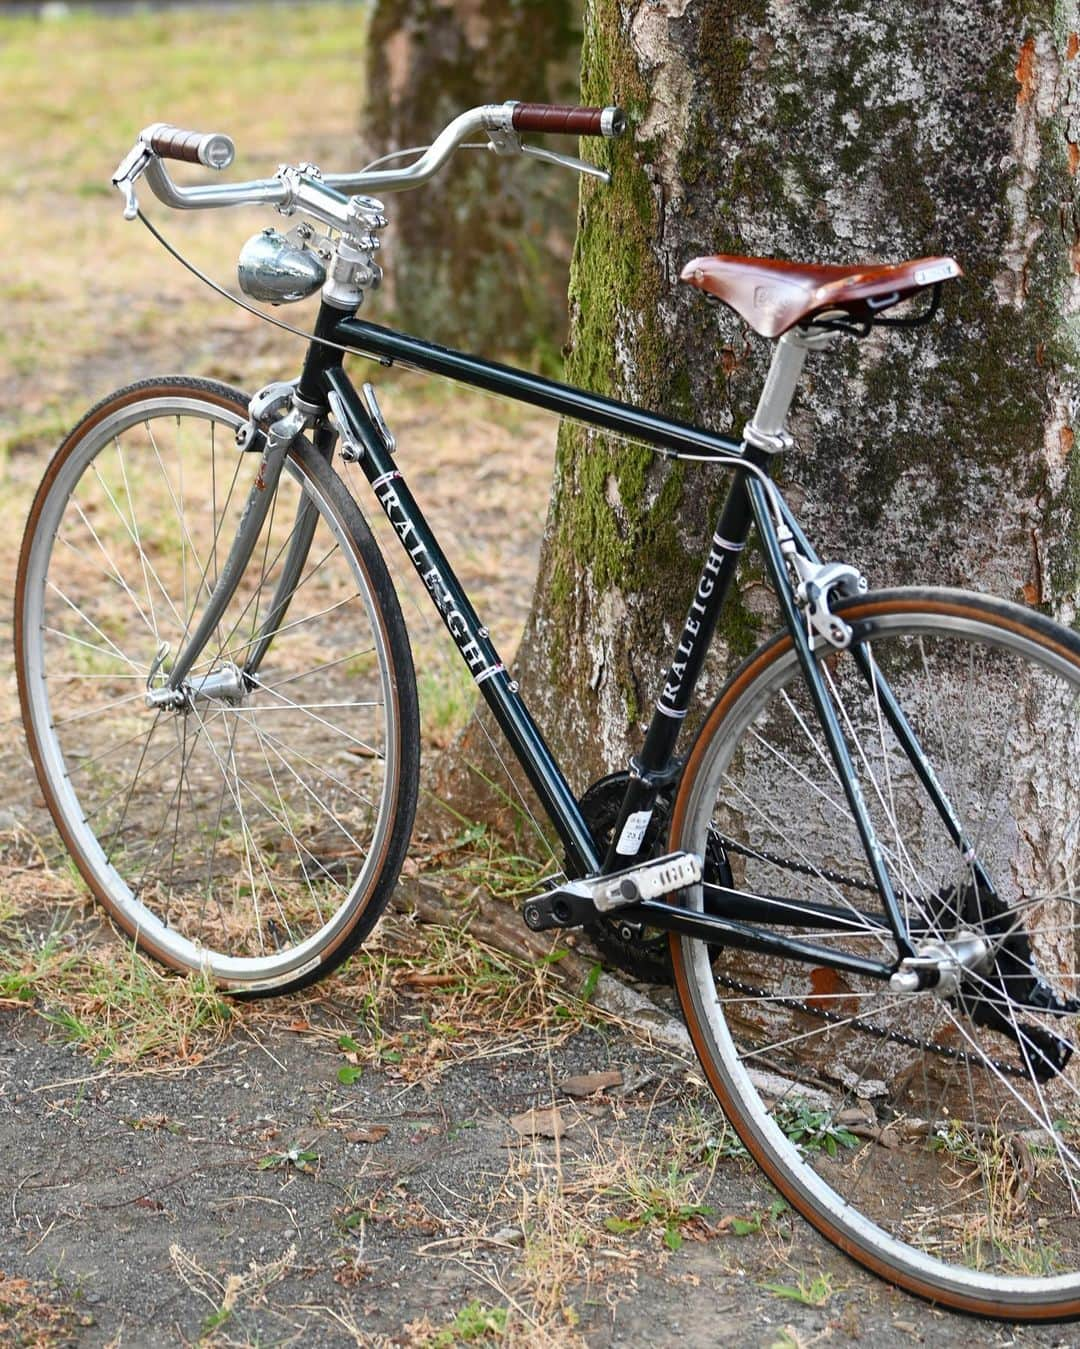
column 826, row 715
column 902, row 729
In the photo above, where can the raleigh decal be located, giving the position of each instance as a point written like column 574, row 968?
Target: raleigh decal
column 669, row 700
column 430, row 574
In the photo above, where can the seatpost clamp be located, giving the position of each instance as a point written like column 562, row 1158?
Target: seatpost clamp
column 763, row 440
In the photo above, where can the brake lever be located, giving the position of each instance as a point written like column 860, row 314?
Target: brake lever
column 552, row 157
column 128, row 172
column 566, row 162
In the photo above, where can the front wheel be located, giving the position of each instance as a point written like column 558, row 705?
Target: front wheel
column 934, row 1135
column 253, row 832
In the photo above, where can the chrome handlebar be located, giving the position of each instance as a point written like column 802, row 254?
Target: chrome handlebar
column 327, row 197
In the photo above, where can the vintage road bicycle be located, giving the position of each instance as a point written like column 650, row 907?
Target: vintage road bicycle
column 865, row 859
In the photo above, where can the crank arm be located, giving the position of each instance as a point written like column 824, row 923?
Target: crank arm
column 580, row 902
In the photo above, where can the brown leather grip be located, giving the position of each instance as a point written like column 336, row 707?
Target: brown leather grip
column 171, row 142
column 557, row 118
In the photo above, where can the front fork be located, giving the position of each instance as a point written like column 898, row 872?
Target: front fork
column 275, row 446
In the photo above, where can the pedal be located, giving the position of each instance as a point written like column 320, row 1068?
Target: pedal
column 648, row 880
column 577, row 902
column 569, row 906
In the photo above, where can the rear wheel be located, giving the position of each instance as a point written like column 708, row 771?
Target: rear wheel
column 934, row 1135
column 254, row 832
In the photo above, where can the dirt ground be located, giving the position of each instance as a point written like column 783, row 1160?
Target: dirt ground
column 370, row 1163
column 359, row 1165
column 255, row 1199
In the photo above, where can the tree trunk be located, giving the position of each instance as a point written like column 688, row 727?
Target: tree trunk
column 816, row 133
column 479, row 256
column 827, row 134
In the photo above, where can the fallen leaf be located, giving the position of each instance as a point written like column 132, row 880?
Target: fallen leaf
column 368, row 1133
column 586, row 1084
column 417, row 979
column 539, row 1124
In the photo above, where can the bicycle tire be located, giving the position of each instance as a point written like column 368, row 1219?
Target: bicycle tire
column 256, row 834
column 931, row 1146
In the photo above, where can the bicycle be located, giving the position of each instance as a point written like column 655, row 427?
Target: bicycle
column 865, row 863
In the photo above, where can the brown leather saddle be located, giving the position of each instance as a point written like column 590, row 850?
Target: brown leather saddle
column 773, row 296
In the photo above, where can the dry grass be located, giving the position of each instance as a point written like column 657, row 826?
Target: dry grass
column 417, row 1000
column 570, row 1225
column 34, row 1316
column 480, row 469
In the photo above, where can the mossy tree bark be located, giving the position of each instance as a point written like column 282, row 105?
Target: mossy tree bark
column 831, row 133
column 478, row 257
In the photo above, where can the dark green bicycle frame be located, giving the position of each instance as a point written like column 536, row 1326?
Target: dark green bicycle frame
column 733, row 917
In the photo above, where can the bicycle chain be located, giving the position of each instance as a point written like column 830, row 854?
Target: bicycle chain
column 868, row 1027
column 897, row 1037
column 799, row 868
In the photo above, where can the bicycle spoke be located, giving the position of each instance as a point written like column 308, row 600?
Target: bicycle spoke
column 251, row 832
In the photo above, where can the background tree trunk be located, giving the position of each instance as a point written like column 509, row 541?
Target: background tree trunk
column 480, row 255
column 825, row 133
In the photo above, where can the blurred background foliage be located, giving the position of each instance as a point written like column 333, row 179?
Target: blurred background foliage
column 478, row 259
column 91, row 302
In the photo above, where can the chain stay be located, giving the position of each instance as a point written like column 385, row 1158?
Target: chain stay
column 837, row 1018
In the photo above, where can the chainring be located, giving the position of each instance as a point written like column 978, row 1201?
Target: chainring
column 643, row 953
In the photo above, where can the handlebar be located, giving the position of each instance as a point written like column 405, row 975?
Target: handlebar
column 327, row 197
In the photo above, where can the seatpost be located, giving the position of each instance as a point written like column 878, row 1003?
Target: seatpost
column 765, row 430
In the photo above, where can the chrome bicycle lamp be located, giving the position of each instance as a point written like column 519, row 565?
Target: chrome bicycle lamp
column 272, row 268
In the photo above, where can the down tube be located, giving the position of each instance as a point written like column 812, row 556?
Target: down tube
column 470, row 637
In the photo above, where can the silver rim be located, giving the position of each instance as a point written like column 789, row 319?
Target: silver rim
column 242, row 836
column 960, row 1167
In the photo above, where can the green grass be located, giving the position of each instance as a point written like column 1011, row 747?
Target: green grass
column 110, row 1002
column 812, row 1290
column 447, row 697
column 475, row 1322
column 268, row 72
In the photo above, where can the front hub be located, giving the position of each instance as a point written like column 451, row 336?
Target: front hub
column 226, row 684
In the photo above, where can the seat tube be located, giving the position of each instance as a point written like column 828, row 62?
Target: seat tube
column 654, row 768
column 763, row 437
